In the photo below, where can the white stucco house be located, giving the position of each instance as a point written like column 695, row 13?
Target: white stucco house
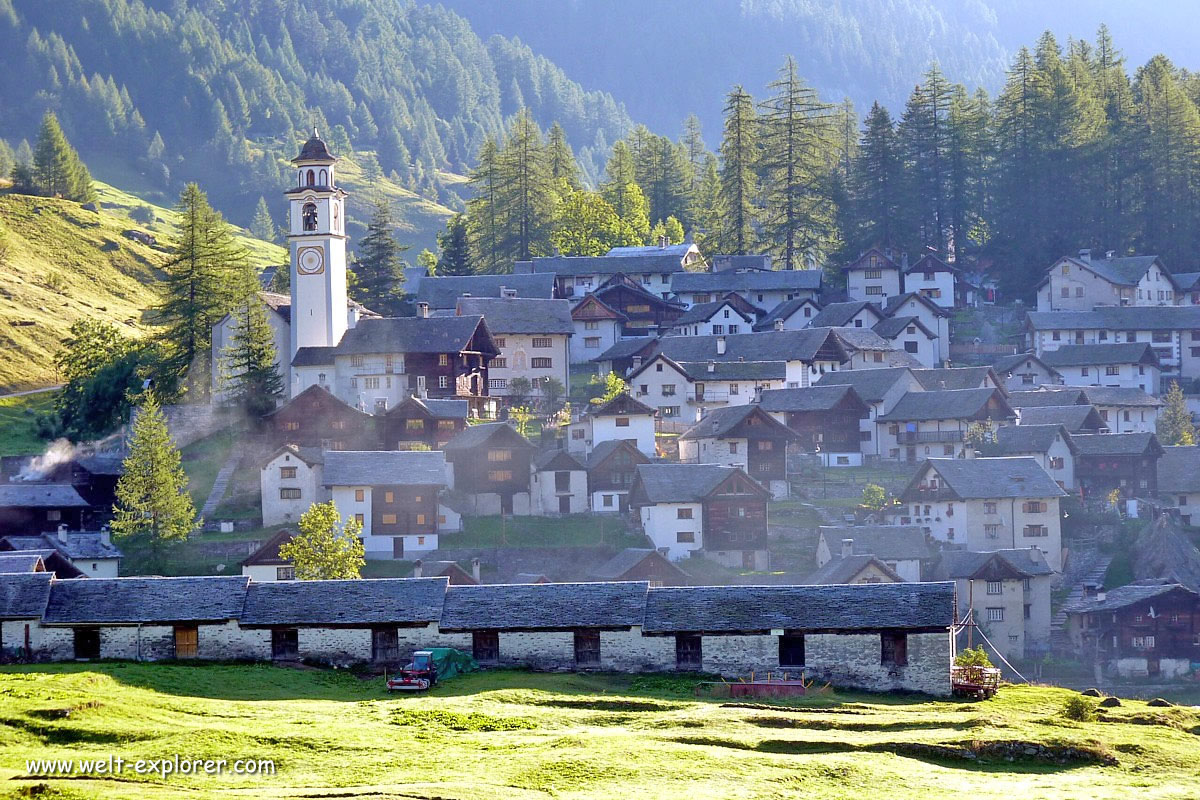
column 558, row 484
column 291, row 481
column 621, row 419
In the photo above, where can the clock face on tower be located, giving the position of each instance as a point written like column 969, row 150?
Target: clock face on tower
column 310, row 260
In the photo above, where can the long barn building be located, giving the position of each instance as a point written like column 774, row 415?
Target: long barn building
column 877, row 636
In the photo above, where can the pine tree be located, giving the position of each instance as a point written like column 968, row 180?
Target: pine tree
column 253, row 377
column 564, row 170
column 454, row 244
column 7, row 158
column 378, row 265
column 57, row 168
column 527, row 193
column 660, row 170
column 739, row 160
column 207, row 276
column 1175, row 427
column 796, row 143
column 326, row 549
column 621, row 191
column 263, row 227
column 877, row 187
column 486, row 213
column 153, row 503
column 925, row 141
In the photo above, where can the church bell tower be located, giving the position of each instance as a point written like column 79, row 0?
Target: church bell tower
column 317, row 239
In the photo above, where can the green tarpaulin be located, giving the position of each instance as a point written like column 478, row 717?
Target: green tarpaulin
column 451, row 662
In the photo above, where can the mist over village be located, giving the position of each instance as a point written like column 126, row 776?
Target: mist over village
column 475, row 401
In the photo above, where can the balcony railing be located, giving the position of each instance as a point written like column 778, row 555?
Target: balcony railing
column 709, row 396
column 929, row 437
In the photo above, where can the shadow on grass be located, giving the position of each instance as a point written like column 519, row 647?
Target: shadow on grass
column 838, row 725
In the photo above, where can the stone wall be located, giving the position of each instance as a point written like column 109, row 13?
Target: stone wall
column 853, row 660
column 191, row 422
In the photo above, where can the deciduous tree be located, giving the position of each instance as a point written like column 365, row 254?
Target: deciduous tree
column 326, row 549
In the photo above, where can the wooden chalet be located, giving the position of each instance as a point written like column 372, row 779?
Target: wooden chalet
column 735, row 514
column 611, row 467
column 718, row 435
column 491, row 458
column 1127, row 462
column 36, row 507
column 315, row 418
column 419, row 421
column 401, row 488
column 1139, row 630
column 824, row 418
column 645, row 312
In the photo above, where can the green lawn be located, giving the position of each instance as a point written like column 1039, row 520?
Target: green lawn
column 202, row 461
column 581, row 530
column 512, row 734
column 17, row 433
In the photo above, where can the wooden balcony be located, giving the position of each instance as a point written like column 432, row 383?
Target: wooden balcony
column 930, row 437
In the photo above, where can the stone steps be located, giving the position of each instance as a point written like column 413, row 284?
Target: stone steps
column 1093, row 575
column 224, row 475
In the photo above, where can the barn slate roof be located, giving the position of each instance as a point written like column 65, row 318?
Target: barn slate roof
column 783, row 311
column 945, row 404
column 545, row 606
column 836, row 315
column 720, row 421
column 987, row 478
column 871, row 384
column 24, row 595
column 894, row 326
column 620, row 564
column 1076, row 419
column 809, row 398
column 1179, row 470
column 521, row 314
column 79, row 544
column 384, row 467
column 21, row 561
column 444, row 292
column 474, row 436
column 1117, row 444
column 146, row 600
column 680, row 483
column 1013, row 440
column 747, row 281
column 1123, row 596
column 891, row 542
column 348, row 602
column 842, row 569
column 1119, row 396
column 994, row 565
column 727, row 609
column 1037, row 398
column 40, row 495
column 1125, row 318
column 410, row 335
column 1083, row 355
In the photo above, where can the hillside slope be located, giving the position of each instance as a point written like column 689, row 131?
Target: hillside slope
column 65, row 263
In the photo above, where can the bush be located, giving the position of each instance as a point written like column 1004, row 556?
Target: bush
column 973, row 658
column 143, row 214
column 1079, row 709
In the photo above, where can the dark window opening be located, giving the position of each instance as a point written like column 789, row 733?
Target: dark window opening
column 285, row 644
column 309, row 216
column 587, row 648
column 397, row 547
column 791, row 650
column 485, row 646
column 87, row 642
column 562, row 481
column 893, row 649
column 312, row 178
column 688, row 652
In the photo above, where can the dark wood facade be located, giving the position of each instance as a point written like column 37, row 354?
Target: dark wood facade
column 735, row 515
column 21, row 520
column 614, row 471
column 1163, row 626
column 645, row 313
column 93, row 477
column 1133, row 474
column 315, row 418
column 491, row 461
column 833, row 430
column 404, row 510
column 410, row 423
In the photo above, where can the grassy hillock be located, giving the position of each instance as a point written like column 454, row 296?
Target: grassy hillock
column 511, row 734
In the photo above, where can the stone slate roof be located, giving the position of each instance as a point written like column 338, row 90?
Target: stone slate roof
column 21, row 561
column 438, row 409
column 836, row 315
column 947, row 404
column 810, row 398
column 995, row 565
column 930, row 263
column 677, row 250
column 728, row 609
column 102, row 464
column 40, row 495
column 702, row 312
column 620, row 405
column 680, row 483
column 385, row 468
column 894, row 326
column 410, row 335
column 1006, row 364
column 895, row 301
column 267, row 555
column 24, row 596
column 557, row 460
column 1084, row 355
column 721, row 421
column 1123, row 596
column 1124, row 318
column 1119, row 396
column 79, row 545
column 627, row 348
column 593, row 308
column 349, row 602
column 1075, row 419
column 954, row 377
column 1038, row 398
column 545, row 606
column 657, row 262
column 1179, row 470
column 314, row 149
column 444, row 292
column 1021, row 439
column 146, row 600
column 476, row 436
column 1187, row 280
column 314, row 357
column 871, row 384
column 891, row 542
column 603, row 450
column 521, row 314
column 802, row 345
column 1122, row 270
column 734, row 370
column 759, row 261
column 1117, row 444
column 843, row 569
column 627, row 559
column 749, row 281
column 988, row 478
column 783, row 311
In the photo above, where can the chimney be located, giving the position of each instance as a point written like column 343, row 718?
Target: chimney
column 779, row 324
column 475, row 569
column 105, row 536
column 1108, row 254
column 847, row 548
column 904, row 261
column 1085, row 255
column 720, row 345
column 423, row 310
column 758, row 390
column 712, row 366
column 62, row 533
column 1101, row 596
column 418, row 568
column 699, row 413
column 637, row 362
column 662, row 242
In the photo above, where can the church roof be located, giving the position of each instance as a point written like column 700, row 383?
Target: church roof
column 314, row 149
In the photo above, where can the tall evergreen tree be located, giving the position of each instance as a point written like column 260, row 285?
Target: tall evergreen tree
column 262, row 226
column 486, row 210
column 1175, row 426
column 707, row 207
column 621, row 191
column 254, row 380
column 378, row 266
column 739, row 160
column 695, row 155
column 564, row 169
column 925, row 141
column 153, row 503
column 660, row 169
column 207, row 276
column 454, row 243
column 876, row 186
column 57, row 168
column 796, row 145
column 528, row 196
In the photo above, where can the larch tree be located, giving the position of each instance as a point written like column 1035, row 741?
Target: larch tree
column 486, row 213
column 262, row 226
column 560, row 161
column 57, row 168
column 454, row 243
column 153, row 504
column 378, row 265
column 739, row 180
column 325, row 549
column 528, row 196
column 251, row 362
column 621, row 191
column 1175, row 426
